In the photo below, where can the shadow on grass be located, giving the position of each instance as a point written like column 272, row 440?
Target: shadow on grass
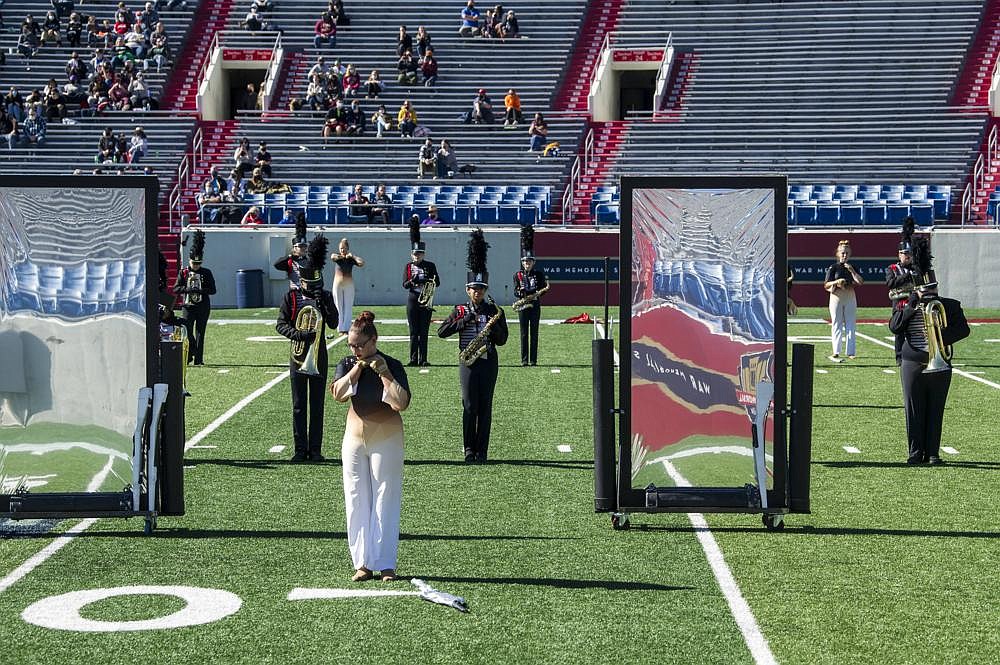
column 558, row 583
column 268, row 464
column 889, row 407
column 197, row 534
column 260, row 463
column 237, row 365
column 965, row 464
column 807, row 530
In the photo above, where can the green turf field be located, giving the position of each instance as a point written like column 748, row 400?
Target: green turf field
column 895, row 564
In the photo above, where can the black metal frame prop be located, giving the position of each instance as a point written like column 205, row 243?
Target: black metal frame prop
column 50, row 226
column 703, row 354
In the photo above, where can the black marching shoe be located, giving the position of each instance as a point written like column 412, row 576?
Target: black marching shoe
column 934, row 460
column 424, row 363
column 298, row 457
column 412, row 363
column 919, row 459
column 316, row 457
column 470, row 457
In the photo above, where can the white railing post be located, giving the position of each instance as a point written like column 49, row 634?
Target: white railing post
column 966, row 203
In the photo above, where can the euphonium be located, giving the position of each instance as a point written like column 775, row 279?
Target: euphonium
column 477, row 347
column 426, row 296
column 194, row 282
column 308, row 319
column 936, row 320
column 529, row 300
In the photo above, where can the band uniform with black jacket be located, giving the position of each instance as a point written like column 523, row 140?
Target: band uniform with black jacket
column 308, row 391
column 291, row 264
column 196, row 285
column 529, row 281
column 416, row 274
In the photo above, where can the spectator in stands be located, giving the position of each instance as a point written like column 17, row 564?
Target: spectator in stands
column 235, row 187
column 336, row 9
column 407, row 67
column 149, row 19
column 325, row 31
column 447, row 160
column 374, row 85
column 27, row 45
column 93, row 30
column 288, row 219
column 432, row 216
column 258, row 185
column 135, row 40
column 34, row 129
column 512, row 106
column 139, row 94
column 405, row 42
column 55, row 102
column 217, row 182
column 106, row 147
column 118, row 97
column 264, row 8
column 9, row 129
column 159, row 46
column 253, row 217
column 121, row 149
column 482, row 109
column 139, row 146
column 488, row 29
column 470, row 20
column 32, row 25
column 252, row 21
column 426, row 159
column 351, row 81
column 360, row 205
column 538, row 131
column 248, row 100
column 122, row 54
column 243, row 157
column 423, row 41
column 355, row 119
column 74, row 30
column 76, row 68
column 381, row 205
column 13, row 102
column 262, row 160
column 108, row 33
column 62, row 7
column 316, row 93
column 318, row 68
column 50, row 29
column 335, row 123
column 97, row 98
column 208, row 201
column 337, row 69
column 333, row 89
column 510, row 29
column 381, row 121
column 406, row 119
column 429, row 68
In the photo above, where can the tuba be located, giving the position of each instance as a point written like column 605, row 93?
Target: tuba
column 938, row 353
column 478, row 346
column 426, row 296
column 529, row 300
column 193, row 282
column 308, row 319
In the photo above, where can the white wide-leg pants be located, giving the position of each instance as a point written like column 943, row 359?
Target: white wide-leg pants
column 844, row 319
column 373, row 494
column 343, row 298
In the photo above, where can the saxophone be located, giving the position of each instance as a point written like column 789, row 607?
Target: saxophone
column 426, row 297
column 193, row 282
column 478, row 346
column 308, row 319
column 529, row 300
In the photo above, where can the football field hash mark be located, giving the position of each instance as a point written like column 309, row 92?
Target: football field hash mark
column 852, row 450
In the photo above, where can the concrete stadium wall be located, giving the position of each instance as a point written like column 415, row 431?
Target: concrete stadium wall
column 966, row 262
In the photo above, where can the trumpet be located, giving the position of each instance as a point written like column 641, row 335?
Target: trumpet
column 308, row 319
column 478, row 346
column 529, row 300
column 935, row 321
column 426, row 297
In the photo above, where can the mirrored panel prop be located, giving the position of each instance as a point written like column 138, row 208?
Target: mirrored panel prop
column 77, row 333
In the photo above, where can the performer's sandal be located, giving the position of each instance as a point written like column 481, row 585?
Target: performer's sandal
column 389, row 575
column 362, row 575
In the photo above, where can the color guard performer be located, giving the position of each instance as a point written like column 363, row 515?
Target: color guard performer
column 372, row 449
column 420, row 278
column 292, row 263
column 926, row 326
column 343, row 282
column 481, row 327
column 303, row 318
column 197, row 285
column 529, row 285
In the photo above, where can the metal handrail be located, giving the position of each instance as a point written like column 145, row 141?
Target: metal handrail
column 208, row 59
column 979, row 173
column 270, row 77
column 663, row 74
column 567, row 199
column 967, row 203
column 605, row 48
column 588, row 149
column 197, row 146
column 991, row 146
column 173, row 202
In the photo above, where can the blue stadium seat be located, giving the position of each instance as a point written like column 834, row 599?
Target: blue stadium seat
column 805, row 213
column 852, row 214
column 874, row 213
column 848, row 195
column 819, row 195
column 607, row 213
column 527, row 214
column 896, row 213
column 923, row 213
column 828, row 214
column 339, row 214
column 508, row 214
column 487, row 214
column 941, row 202
column 316, row 214
column 464, row 214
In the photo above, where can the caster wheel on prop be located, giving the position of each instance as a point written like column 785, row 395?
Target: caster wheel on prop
column 620, row 521
column 774, row 522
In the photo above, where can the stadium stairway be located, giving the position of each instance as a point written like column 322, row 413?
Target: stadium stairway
column 182, row 89
column 608, row 140
column 973, row 85
column 601, row 19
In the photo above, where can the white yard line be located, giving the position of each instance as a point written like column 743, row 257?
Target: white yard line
column 276, row 449
column 949, row 450
column 65, row 538
column 564, row 448
column 967, row 375
column 852, row 450
column 752, row 635
column 299, row 593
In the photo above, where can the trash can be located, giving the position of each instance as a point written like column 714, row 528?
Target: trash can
column 249, row 288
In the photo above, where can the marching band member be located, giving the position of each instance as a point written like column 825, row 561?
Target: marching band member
column 529, row 283
column 292, row 263
column 196, row 284
column 416, row 276
column 925, row 327
column 841, row 278
column 343, row 282
column 481, row 326
column 900, row 276
column 303, row 317
column 372, row 449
